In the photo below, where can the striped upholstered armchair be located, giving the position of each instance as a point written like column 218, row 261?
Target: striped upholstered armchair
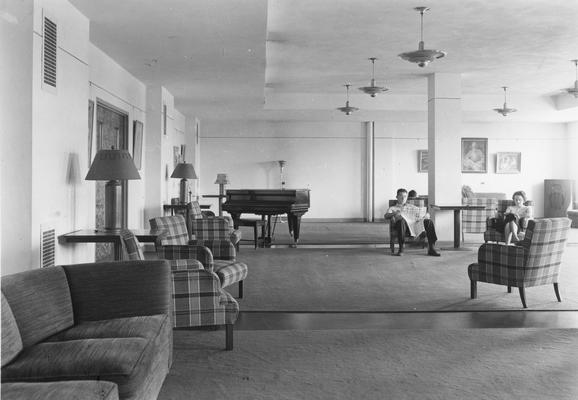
column 198, row 297
column 534, row 262
column 223, row 255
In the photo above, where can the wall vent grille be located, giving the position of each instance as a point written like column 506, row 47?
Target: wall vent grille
column 49, row 53
column 47, row 246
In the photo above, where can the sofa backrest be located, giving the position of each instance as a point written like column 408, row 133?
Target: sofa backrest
column 11, row 340
column 40, row 303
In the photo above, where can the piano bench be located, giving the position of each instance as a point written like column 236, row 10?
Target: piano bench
column 256, row 224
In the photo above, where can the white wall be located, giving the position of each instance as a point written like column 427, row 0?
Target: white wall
column 329, row 159
column 571, row 154
column 16, row 135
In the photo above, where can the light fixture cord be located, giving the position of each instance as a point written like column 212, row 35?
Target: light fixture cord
column 421, row 26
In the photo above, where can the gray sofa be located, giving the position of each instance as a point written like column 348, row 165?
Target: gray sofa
column 87, row 331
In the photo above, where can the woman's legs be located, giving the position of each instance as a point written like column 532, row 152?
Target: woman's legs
column 511, row 232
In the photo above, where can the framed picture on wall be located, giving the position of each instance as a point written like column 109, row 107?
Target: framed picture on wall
column 475, row 155
column 422, row 161
column 183, row 151
column 164, row 119
column 137, row 132
column 176, row 156
column 90, row 129
column 509, row 163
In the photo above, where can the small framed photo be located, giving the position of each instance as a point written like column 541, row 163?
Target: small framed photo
column 422, row 161
column 137, row 132
column 475, row 155
column 509, row 163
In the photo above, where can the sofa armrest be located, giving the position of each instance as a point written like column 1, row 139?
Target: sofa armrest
column 109, row 290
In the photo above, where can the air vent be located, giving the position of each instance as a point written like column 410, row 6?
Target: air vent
column 47, row 246
column 49, row 53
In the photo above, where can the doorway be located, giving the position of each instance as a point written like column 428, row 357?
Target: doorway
column 111, row 132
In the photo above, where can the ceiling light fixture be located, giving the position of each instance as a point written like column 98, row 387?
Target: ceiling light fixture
column 505, row 110
column 422, row 56
column 372, row 90
column 347, row 109
column 574, row 90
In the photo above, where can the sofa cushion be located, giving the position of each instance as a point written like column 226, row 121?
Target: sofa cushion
column 11, row 340
column 123, row 351
column 40, row 301
column 85, row 390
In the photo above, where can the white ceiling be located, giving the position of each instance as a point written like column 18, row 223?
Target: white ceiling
column 289, row 59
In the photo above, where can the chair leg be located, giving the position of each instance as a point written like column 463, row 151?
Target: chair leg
column 509, row 289
column 240, row 289
column 229, row 337
column 523, row 296
column 557, row 292
column 474, row 289
column 255, row 234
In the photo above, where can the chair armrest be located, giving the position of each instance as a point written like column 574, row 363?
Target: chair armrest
column 220, row 248
column 186, row 252
column 207, row 214
column 502, row 256
column 119, row 289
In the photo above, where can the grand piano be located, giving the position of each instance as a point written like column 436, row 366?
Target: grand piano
column 268, row 202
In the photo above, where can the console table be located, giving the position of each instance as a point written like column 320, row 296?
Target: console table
column 457, row 219
column 101, row 236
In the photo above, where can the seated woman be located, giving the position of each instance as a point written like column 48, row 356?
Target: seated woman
column 516, row 217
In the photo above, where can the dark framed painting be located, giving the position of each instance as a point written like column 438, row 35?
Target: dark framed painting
column 509, row 163
column 137, row 138
column 90, row 130
column 422, row 161
column 475, row 155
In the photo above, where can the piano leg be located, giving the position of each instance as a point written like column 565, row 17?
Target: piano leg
column 294, row 222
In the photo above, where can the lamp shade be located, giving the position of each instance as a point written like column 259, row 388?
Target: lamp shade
column 184, row 171
column 222, row 179
column 112, row 165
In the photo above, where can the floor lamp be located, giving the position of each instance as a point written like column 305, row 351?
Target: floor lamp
column 112, row 166
column 222, row 180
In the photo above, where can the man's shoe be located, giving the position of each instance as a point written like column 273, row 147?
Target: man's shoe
column 399, row 253
column 433, row 252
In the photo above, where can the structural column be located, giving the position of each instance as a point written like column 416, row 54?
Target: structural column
column 444, row 147
column 369, row 171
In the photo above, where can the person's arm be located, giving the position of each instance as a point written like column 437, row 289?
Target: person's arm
column 508, row 210
column 391, row 213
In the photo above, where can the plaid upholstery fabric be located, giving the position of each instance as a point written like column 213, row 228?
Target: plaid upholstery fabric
column 536, row 261
column 175, row 228
column 131, row 245
column 195, row 210
column 474, row 221
column 187, row 252
column 491, row 234
column 221, row 249
column 215, row 228
column 198, row 300
column 230, row 272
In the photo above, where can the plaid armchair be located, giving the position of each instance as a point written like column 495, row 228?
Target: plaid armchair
column 223, row 255
column 534, row 262
column 474, row 221
column 205, row 225
column 420, row 240
column 491, row 233
column 197, row 295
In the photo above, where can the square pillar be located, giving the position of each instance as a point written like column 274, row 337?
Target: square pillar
column 444, row 141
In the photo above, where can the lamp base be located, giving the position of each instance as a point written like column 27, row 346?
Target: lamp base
column 112, row 206
column 183, row 191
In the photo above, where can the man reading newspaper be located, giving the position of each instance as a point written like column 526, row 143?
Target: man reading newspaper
column 410, row 220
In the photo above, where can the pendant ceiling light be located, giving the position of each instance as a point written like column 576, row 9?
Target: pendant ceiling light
column 422, row 56
column 574, row 90
column 347, row 109
column 372, row 90
column 505, row 110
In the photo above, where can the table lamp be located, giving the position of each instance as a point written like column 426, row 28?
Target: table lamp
column 184, row 171
column 112, row 166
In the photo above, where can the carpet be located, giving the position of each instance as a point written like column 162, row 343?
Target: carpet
column 375, row 364
column 370, row 279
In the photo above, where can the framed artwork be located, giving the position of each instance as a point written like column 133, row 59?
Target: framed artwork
column 183, row 151
column 509, row 163
column 422, row 161
column 164, row 119
column 137, row 132
column 176, row 156
column 90, row 129
column 475, row 155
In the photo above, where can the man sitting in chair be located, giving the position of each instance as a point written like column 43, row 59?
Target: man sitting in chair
column 410, row 220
